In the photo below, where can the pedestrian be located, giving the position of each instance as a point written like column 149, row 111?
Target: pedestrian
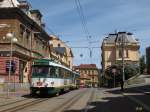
column 122, row 84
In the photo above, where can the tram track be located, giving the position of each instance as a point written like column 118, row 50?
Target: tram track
column 23, row 105
column 9, row 103
column 90, row 100
column 68, row 103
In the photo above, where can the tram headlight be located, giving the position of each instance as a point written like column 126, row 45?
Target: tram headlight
column 46, row 85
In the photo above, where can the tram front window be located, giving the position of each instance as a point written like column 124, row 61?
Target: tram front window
column 44, row 71
column 40, row 71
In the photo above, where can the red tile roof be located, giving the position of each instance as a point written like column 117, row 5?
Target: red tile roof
column 86, row 66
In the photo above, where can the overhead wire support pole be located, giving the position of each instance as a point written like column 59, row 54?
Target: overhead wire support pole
column 10, row 66
column 123, row 77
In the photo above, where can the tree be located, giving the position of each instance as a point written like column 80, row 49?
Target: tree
column 142, row 64
column 130, row 70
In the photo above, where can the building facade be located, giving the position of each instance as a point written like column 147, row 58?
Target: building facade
column 118, row 47
column 61, row 52
column 32, row 40
column 89, row 74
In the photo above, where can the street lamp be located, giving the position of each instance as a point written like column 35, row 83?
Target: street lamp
column 12, row 39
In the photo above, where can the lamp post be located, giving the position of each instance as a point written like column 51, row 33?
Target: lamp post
column 12, row 39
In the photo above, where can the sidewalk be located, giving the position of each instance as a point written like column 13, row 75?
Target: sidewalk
column 14, row 94
column 17, row 90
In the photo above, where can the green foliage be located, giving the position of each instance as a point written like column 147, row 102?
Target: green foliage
column 142, row 64
column 131, row 70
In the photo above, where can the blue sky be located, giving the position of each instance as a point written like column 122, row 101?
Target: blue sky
column 102, row 16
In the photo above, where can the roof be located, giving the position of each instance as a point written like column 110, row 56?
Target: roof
column 86, row 66
column 37, row 12
column 9, row 3
column 60, row 50
column 117, row 37
column 41, row 62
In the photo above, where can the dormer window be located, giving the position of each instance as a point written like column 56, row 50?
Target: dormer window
column 58, row 45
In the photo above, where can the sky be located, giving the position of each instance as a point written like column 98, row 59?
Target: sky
column 102, row 17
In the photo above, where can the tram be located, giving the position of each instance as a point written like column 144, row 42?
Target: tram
column 48, row 77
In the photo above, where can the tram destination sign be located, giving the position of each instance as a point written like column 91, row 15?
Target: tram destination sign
column 41, row 63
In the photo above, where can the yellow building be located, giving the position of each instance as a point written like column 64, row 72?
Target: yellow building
column 118, row 45
column 89, row 75
column 61, row 52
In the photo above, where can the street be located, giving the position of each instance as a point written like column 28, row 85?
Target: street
column 84, row 100
column 73, row 56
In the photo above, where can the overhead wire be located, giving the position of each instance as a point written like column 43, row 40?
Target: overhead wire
column 82, row 17
column 84, row 25
column 50, row 30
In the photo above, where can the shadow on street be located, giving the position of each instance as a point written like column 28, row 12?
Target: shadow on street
column 119, row 103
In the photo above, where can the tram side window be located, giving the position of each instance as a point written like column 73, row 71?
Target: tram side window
column 57, row 72
column 52, row 72
column 61, row 75
column 67, row 74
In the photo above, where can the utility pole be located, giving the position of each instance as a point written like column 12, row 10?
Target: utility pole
column 122, row 50
column 122, row 39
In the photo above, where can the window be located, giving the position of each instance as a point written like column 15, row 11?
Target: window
column 27, row 37
column 92, row 72
column 40, row 71
column 120, row 53
column 126, row 55
column 28, row 34
column 58, row 45
column 22, row 30
column 12, row 68
column 89, row 72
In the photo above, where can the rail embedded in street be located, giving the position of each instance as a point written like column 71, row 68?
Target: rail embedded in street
column 24, row 105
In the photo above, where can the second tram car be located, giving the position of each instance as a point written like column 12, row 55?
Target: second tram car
column 48, row 77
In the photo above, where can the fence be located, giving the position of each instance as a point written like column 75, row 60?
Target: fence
column 14, row 87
